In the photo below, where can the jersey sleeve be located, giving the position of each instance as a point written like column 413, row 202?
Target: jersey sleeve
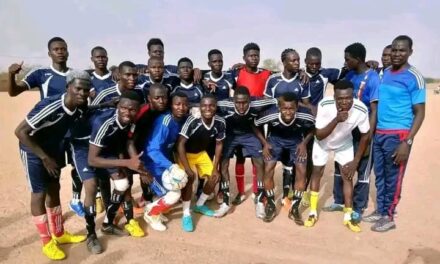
column 155, row 140
column 268, row 88
column 373, row 88
column 33, row 79
column 321, row 117
column 417, row 90
column 171, row 68
column 307, row 120
column 187, row 128
column 99, row 132
column 263, row 104
column 263, row 118
column 333, row 75
column 221, row 129
column 305, row 92
column 43, row 112
column 364, row 125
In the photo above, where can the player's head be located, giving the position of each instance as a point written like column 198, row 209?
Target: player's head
column 156, row 68
column 128, row 107
column 242, row 100
column 354, row 55
column 401, row 49
column 155, row 48
column 386, row 56
column 215, row 60
column 179, row 104
column 290, row 60
column 127, row 75
column 288, row 104
column 185, row 69
column 343, row 95
column 79, row 84
column 115, row 72
column 313, row 60
column 99, row 58
column 208, row 106
column 158, row 97
column 58, row 50
column 251, row 55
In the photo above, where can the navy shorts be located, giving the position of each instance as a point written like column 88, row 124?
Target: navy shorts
column 37, row 176
column 248, row 142
column 284, row 150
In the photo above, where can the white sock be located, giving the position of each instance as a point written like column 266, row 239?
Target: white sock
column 202, row 199
column 75, row 201
column 185, row 206
column 313, row 212
column 347, row 216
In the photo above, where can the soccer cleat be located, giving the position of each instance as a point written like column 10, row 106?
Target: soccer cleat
column 269, row 212
column 67, row 238
column 239, row 199
column 204, row 210
column 295, row 215
column 286, row 203
column 333, row 208
column 111, row 229
column 311, row 221
column 222, row 211
column 352, row 226
column 356, row 217
column 372, row 218
column 99, row 205
column 259, row 210
column 383, row 225
column 220, row 198
column 305, row 201
column 93, row 245
column 134, row 229
column 77, row 208
column 187, row 223
column 155, row 222
column 163, row 218
column 52, row 251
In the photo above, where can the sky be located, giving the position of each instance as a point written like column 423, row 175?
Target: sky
column 192, row 28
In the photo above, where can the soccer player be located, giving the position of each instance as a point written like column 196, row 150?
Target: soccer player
column 336, row 119
column 50, row 81
column 41, row 137
column 241, row 132
column 159, row 160
column 101, row 76
column 107, row 146
column 365, row 82
column 195, row 137
column 290, row 128
column 386, row 60
column 216, row 81
column 401, row 110
column 156, row 74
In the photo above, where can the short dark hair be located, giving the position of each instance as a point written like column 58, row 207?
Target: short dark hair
column 285, row 52
column 54, row 39
column 250, row 46
column 388, row 46
column 357, row 51
column 243, row 90
column 132, row 95
column 214, row 51
column 126, row 64
column 405, row 38
column 154, row 58
column 313, row 51
column 289, row 97
column 154, row 41
column 179, row 94
column 157, row 86
column 208, row 96
column 184, row 59
column 98, row 48
column 343, row 85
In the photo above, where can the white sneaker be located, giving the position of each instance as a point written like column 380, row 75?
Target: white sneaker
column 222, row 211
column 259, row 210
column 155, row 222
column 163, row 218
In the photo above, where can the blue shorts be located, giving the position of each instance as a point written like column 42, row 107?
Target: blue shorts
column 284, row 150
column 248, row 142
column 37, row 176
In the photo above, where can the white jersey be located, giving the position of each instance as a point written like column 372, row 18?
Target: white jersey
column 341, row 137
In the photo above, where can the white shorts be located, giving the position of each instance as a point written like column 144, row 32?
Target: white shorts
column 342, row 156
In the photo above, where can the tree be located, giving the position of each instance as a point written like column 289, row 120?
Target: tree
column 272, row 65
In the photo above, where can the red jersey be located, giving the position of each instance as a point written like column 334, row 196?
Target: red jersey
column 254, row 81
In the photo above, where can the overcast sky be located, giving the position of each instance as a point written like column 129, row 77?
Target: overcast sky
column 192, row 28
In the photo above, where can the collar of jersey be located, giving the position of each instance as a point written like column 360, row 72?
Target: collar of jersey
column 216, row 79
column 211, row 125
column 60, row 73
column 67, row 110
column 245, row 113
column 289, row 80
column 284, row 123
column 186, row 86
column 101, row 77
column 153, row 82
column 117, row 120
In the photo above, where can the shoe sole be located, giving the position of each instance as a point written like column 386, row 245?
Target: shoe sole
column 383, row 231
column 151, row 225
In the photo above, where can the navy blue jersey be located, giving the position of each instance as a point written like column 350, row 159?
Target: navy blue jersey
column 169, row 81
column 112, row 92
column 50, row 120
column 224, row 83
column 49, row 81
column 201, row 135
column 277, row 85
column 296, row 129
column 242, row 124
column 108, row 133
column 100, row 83
column 193, row 91
column 318, row 83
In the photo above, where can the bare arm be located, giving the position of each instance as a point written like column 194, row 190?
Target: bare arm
column 327, row 130
column 373, row 118
column 181, row 152
column 15, row 88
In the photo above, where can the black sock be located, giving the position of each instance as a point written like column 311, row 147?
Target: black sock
column 76, row 184
column 115, row 202
column 147, row 193
column 90, row 220
column 105, row 187
column 270, row 195
column 224, row 188
column 287, row 181
column 128, row 210
column 297, row 198
column 200, row 186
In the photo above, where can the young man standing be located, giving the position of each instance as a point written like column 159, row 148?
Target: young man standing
column 156, row 74
column 41, row 137
column 386, row 60
column 401, row 110
column 336, row 119
column 194, row 140
column 216, row 81
column 101, row 76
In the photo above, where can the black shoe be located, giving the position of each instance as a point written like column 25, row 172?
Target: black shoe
column 112, row 229
column 239, row 199
column 93, row 245
column 296, row 216
column 270, row 212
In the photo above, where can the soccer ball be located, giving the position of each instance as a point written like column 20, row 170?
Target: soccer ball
column 174, row 178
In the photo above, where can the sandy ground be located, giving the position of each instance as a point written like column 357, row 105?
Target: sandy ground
column 239, row 237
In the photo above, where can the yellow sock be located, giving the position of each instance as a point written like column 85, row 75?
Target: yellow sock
column 314, row 197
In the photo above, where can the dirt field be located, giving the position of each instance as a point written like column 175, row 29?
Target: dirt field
column 239, row 237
